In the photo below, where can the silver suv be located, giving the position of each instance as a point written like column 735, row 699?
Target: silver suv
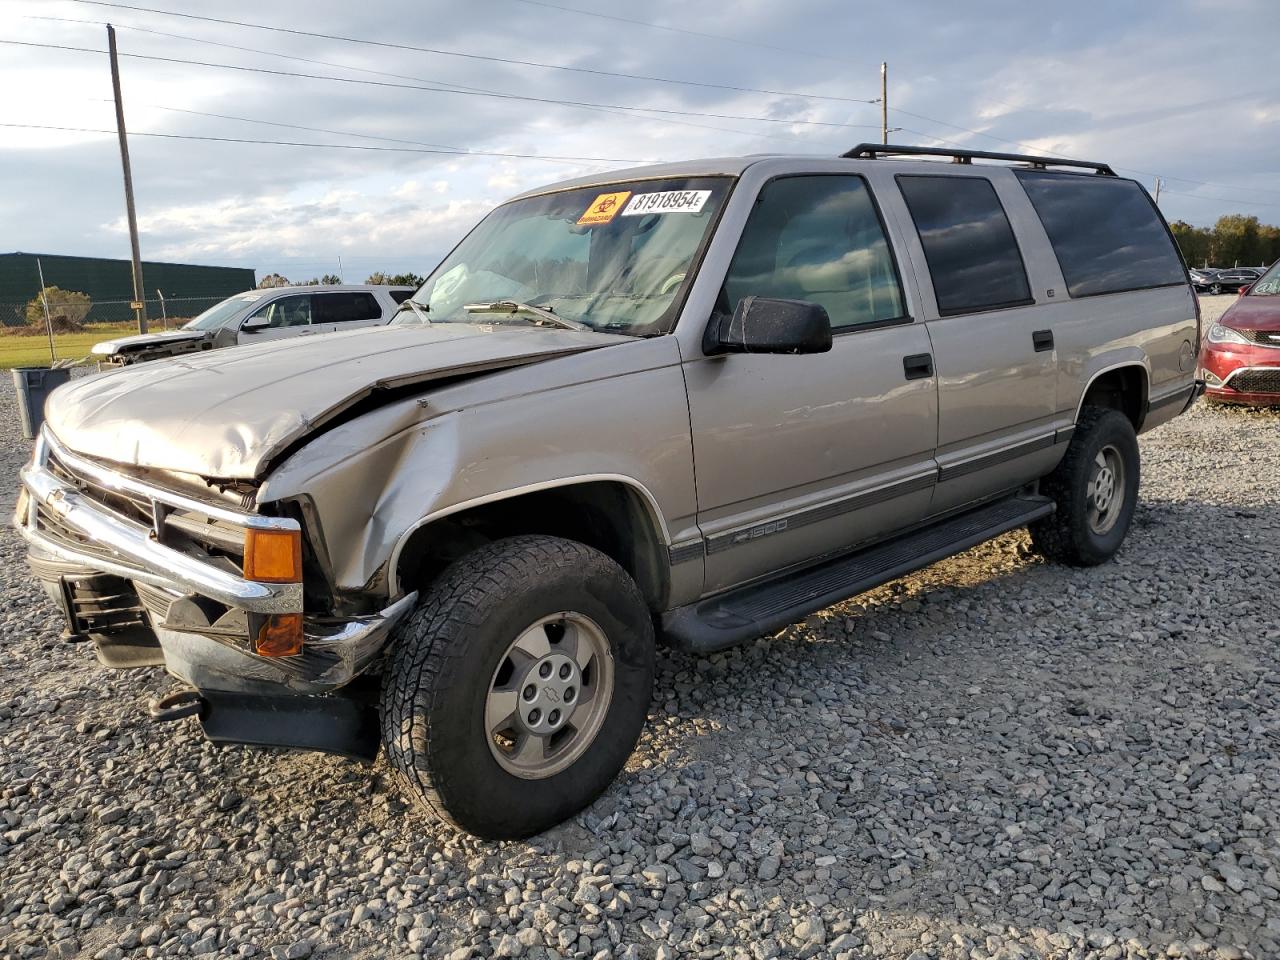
column 695, row 402
column 256, row 316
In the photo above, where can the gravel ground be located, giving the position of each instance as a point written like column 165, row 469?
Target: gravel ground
column 994, row 758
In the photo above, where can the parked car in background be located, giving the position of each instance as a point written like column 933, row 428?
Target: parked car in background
column 455, row 535
column 257, row 316
column 1202, row 278
column 1240, row 359
column 1232, row 279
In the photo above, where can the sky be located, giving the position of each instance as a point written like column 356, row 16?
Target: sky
column 1177, row 89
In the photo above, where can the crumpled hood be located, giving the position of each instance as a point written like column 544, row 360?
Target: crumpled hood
column 225, row 413
column 124, row 344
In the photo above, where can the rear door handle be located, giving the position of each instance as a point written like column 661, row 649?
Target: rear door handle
column 1043, row 340
column 917, row 366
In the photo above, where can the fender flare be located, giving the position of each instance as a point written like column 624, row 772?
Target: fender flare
column 646, row 496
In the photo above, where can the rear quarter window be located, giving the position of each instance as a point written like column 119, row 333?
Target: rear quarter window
column 1106, row 233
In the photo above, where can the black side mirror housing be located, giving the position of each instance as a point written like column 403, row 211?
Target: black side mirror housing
column 769, row 325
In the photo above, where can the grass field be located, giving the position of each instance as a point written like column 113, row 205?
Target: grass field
column 28, row 351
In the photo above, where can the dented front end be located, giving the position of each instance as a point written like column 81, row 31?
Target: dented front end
column 136, row 566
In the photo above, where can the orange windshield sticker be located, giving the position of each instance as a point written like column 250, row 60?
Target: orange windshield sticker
column 603, row 208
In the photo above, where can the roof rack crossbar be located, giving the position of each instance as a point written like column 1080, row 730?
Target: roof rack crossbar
column 871, row 151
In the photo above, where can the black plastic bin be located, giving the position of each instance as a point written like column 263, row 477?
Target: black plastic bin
column 33, row 385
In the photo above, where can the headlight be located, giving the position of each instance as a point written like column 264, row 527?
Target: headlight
column 1220, row 334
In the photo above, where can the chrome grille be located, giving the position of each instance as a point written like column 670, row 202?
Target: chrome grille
column 184, row 529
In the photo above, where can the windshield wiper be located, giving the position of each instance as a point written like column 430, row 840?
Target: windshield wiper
column 419, row 310
column 510, row 306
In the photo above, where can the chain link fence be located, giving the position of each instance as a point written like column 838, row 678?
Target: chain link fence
column 161, row 312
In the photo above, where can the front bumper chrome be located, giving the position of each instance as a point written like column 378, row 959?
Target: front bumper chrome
column 68, row 522
column 132, row 550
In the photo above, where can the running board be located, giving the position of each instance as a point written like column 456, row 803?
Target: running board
column 762, row 608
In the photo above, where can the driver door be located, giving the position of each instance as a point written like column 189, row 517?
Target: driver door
column 797, row 457
column 288, row 316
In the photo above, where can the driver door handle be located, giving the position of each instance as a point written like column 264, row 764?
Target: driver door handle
column 918, row 366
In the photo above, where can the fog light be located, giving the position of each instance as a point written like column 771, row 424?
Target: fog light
column 1211, row 380
column 273, row 556
column 280, row 636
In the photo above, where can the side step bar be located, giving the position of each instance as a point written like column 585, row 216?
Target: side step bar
column 762, row 608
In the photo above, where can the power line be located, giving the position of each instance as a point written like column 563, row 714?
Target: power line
column 1028, row 147
column 439, row 89
column 326, row 146
column 401, row 76
column 687, row 32
column 468, row 56
column 441, row 148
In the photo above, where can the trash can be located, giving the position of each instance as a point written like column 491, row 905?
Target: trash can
column 33, row 385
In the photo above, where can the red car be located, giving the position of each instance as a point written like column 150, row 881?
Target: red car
column 1240, row 359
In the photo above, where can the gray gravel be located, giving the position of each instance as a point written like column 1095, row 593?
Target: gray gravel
column 995, row 758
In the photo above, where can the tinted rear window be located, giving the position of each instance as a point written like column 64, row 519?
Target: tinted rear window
column 972, row 254
column 1106, row 233
column 345, row 307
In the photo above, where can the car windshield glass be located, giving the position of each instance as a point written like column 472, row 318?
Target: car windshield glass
column 616, row 257
column 220, row 313
column 1269, row 285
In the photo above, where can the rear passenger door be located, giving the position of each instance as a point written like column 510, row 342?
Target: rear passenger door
column 348, row 310
column 993, row 347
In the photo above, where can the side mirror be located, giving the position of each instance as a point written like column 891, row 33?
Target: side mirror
column 1245, row 289
column 254, row 324
column 768, row 325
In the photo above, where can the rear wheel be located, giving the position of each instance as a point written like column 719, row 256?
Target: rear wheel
column 519, row 687
column 1095, row 488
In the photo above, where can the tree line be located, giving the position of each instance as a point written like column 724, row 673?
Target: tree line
column 332, row 279
column 1234, row 241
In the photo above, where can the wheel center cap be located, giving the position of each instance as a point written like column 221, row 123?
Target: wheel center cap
column 549, row 694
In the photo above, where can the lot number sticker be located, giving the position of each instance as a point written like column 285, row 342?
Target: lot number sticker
column 668, row 201
column 603, row 208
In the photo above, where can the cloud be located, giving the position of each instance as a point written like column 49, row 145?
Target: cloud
column 1155, row 92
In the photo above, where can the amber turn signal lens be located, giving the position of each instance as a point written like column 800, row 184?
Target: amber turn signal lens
column 272, row 556
column 280, row 636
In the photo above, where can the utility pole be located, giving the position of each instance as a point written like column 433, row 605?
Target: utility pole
column 1157, row 198
column 884, row 102
column 139, row 297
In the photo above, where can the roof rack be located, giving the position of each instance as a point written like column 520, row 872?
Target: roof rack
column 870, row 151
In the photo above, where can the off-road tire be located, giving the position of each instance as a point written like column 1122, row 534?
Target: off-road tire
column 444, row 657
column 1065, row 535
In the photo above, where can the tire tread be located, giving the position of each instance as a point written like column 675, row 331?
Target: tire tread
column 427, row 654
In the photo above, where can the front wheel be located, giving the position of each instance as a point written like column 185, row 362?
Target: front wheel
column 1095, row 488
column 1215, row 288
column 518, row 688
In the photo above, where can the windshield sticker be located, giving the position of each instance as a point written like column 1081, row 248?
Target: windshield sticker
column 603, row 208
column 668, row 201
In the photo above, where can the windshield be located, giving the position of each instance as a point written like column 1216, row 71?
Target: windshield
column 220, row 313
column 615, row 257
column 1269, row 284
